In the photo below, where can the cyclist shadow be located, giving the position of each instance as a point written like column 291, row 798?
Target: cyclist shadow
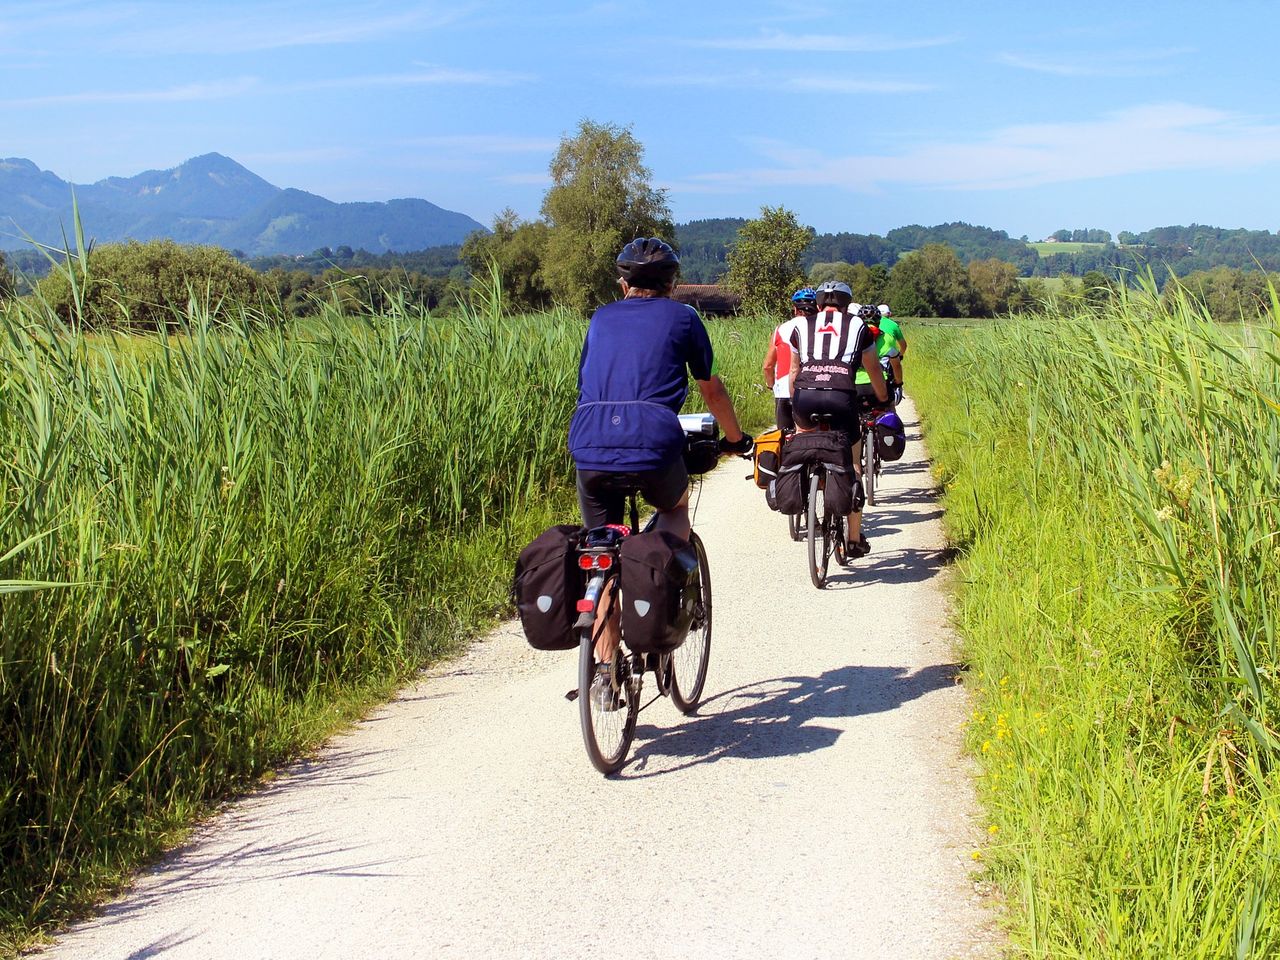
column 773, row 718
column 909, row 565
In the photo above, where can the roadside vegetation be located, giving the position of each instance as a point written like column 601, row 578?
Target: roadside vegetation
column 221, row 540
column 1110, row 479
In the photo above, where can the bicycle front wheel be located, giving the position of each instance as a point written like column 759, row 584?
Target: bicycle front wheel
column 690, row 659
column 819, row 532
column 608, row 715
column 869, row 466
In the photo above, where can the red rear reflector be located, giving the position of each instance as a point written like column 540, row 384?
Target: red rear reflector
column 586, row 561
column 585, row 606
column 604, row 561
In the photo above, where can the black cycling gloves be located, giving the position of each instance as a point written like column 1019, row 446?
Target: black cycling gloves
column 741, row 447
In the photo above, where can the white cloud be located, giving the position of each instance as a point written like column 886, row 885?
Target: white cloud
column 268, row 27
column 427, row 76
column 821, row 42
column 1143, row 139
column 829, row 84
column 1119, row 63
column 183, row 93
column 242, row 86
column 758, row 79
column 487, row 143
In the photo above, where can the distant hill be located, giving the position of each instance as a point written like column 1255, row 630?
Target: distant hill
column 213, row 199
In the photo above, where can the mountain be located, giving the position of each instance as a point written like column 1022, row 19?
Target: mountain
column 213, row 199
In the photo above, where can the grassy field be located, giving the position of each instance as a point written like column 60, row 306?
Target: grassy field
column 1115, row 496
column 217, row 547
column 1069, row 246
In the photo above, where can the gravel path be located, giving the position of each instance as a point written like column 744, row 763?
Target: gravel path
column 817, row 806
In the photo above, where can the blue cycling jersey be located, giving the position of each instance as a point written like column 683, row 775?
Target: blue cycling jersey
column 632, row 381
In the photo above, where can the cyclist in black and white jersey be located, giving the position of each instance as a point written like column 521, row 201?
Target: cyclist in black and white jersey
column 827, row 351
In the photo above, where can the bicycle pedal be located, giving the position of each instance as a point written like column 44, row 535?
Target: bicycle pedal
column 572, row 695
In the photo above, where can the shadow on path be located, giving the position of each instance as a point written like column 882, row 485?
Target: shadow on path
column 772, row 718
column 908, row 565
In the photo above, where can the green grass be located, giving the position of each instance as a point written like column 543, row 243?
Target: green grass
column 1115, row 495
column 216, row 547
column 1069, row 246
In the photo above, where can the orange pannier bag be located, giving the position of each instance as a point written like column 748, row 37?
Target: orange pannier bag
column 768, row 457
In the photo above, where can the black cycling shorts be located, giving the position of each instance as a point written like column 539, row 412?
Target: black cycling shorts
column 841, row 405
column 602, row 495
column 782, row 413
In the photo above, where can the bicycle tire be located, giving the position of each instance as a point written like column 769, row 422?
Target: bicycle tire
column 869, row 465
column 689, row 661
column 620, row 726
column 795, row 526
column 818, row 530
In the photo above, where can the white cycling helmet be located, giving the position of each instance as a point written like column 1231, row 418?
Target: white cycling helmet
column 884, row 310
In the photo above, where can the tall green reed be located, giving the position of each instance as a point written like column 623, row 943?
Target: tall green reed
column 1112, row 478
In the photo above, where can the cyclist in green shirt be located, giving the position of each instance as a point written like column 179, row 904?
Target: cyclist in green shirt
column 891, row 344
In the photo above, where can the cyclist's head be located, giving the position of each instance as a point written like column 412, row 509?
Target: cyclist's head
column 648, row 263
column 884, row 310
column 833, row 293
column 868, row 314
column 805, row 300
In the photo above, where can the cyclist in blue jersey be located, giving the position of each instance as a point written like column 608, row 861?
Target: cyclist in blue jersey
column 632, row 380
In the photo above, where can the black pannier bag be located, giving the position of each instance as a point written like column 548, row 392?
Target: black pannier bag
column 831, row 449
column 547, row 587
column 660, row 587
column 786, row 492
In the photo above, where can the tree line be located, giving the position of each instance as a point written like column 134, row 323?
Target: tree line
column 601, row 196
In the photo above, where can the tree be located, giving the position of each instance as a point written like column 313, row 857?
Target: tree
column 866, row 282
column 148, row 284
column 6, row 280
column 600, row 199
column 1097, row 288
column 516, row 249
column 1030, row 297
column 930, row 282
column 764, row 262
column 993, row 283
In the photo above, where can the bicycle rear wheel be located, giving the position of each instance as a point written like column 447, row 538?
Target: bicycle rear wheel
column 609, row 723
column 689, row 660
column 869, row 465
column 819, row 532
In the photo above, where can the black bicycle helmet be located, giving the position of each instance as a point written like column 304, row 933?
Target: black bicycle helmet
column 834, row 293
column 869, row 315
column 648, row 263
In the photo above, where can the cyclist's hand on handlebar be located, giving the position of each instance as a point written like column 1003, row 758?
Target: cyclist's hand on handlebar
column 742, row 446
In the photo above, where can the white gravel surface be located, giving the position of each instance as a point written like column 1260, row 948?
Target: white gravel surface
column 817, row 806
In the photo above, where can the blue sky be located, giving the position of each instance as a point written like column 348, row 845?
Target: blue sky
column 1022, row 116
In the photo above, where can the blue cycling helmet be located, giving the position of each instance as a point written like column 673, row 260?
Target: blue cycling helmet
column 805, row 296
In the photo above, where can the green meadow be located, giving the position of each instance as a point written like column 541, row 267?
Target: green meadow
column 1111, row 482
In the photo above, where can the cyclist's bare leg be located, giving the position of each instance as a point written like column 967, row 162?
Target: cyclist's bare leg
column 855, row 526
column 609, row 631
column 676, row 520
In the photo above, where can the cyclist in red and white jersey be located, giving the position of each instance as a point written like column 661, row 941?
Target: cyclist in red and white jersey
column 777, row 359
